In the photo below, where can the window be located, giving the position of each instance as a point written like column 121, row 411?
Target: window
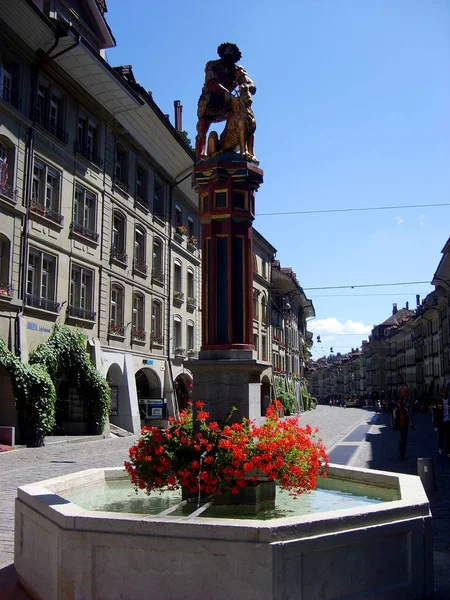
column 88, row 140
column 138, row 325
column 264, row 347
column 141, row 185
column 6, row 80
column 178, row 216
column 41, row 281
column 83, row 217
column 5, row 288
column 158, row 201
column 46, row 192
column 255, row 343
column 81, row 293
column 139, row 258
column 190, row 284
column 190, row 343
column 6, row 162
column 157, row 262
column 116, row 326
column 255, row 305
column 220, row 199
column 191, row 227
column 120, row 168
column 264, row 269
column 177, row 281
column 255, row 263
column 156, row 322
column 177, row 335
column 49, row 111
column 263, row 310
column 118, row 239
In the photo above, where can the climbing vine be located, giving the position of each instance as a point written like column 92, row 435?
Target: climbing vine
column 34, row 391
column 63, row 356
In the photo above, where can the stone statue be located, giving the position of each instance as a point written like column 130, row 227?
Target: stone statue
column 216, row 102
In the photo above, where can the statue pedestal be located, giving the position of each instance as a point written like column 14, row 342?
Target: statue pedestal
column 222, row 383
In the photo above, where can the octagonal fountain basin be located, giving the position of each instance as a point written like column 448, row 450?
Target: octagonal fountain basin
column 362, row 534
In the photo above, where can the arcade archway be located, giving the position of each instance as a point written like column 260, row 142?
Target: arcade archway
column 265, row 395
column 183, row 390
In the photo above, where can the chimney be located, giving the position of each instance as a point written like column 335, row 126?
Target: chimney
column 178, row 118
column 394, row 308
column 417, row 300
column 407, row 306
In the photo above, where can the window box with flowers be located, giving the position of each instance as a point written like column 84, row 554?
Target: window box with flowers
column 192, row 243
column 180, row 232
column 116, row 330
column 138, row 335
column 179, row 351
column 191, row 302
column 223, row 459
column 178, row 297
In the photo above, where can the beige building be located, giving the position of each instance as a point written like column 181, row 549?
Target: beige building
column 97, row 187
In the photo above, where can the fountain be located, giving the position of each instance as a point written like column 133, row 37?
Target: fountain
column 81, row 536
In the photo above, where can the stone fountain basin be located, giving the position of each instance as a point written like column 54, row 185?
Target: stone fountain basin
column 377, row 551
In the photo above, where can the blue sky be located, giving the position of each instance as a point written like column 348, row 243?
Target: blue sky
column 352, row 110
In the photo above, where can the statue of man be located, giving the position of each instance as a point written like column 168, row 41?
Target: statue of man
column 216, row 103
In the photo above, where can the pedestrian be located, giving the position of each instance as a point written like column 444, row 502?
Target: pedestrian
column 441, row 421
column 401, row 421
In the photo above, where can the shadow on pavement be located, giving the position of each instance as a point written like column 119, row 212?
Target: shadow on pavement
column 422, row 443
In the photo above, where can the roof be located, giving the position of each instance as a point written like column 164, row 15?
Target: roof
column 399, row 318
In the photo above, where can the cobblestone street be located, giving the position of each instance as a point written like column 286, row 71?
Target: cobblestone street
column 357, row 437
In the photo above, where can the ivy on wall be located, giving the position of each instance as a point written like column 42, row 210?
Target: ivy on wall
column 34, row 391
column 63, row 356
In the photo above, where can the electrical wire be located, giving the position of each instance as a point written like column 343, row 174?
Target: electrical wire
column 346, row 210
column 365, row 285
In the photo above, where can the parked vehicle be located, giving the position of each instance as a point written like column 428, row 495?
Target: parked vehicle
column 354, row 402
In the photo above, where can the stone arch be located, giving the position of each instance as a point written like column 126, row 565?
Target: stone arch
column 119, row 394
column 265, row 394
column 183, row 390
column 148, row 387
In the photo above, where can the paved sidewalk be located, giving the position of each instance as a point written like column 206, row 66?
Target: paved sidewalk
column 422, row 443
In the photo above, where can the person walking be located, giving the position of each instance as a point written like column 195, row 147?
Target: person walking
column 401, row 421
column 441, row 421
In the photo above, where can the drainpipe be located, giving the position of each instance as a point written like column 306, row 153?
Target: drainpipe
column 169, row 285
column 29, row 175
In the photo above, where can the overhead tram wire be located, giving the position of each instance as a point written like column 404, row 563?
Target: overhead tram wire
column 365, row 285
column 346, row 210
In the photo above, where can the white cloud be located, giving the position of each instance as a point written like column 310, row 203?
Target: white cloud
column 421, row 220
column 332, row 326
column 399, row 220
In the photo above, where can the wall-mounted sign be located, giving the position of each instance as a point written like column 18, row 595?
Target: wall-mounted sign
column 148, row 361
column 35, row 327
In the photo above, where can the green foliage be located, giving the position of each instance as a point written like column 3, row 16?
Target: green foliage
column 34, row 391
column 285, row 394
column 306, row 399
column 64, row 356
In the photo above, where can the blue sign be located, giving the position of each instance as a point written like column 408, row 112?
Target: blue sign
column 148, row 362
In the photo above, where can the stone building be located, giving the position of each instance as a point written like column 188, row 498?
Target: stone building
column 99, row 225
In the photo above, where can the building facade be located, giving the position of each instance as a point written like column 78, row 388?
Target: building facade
column 99, row 225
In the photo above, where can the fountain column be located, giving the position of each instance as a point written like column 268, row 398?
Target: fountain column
column 227, row 372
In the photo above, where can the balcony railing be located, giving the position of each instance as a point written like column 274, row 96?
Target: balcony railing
column 191, row 302
column 140, row 267
column 118, row 255
column 49, row 213
column 51, row 126
column 116, row 330
column 87, row 153
column 122, row 185
column 156, row 340
column 43, row 303
column 9, row 192
column 157, row 276
column 142, row 203
column 80, row 313
column 139, row 335
column 6, row 289
column 84, row 231
column 178, row 296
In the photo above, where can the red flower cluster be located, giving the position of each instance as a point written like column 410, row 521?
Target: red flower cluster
column 214, row 459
